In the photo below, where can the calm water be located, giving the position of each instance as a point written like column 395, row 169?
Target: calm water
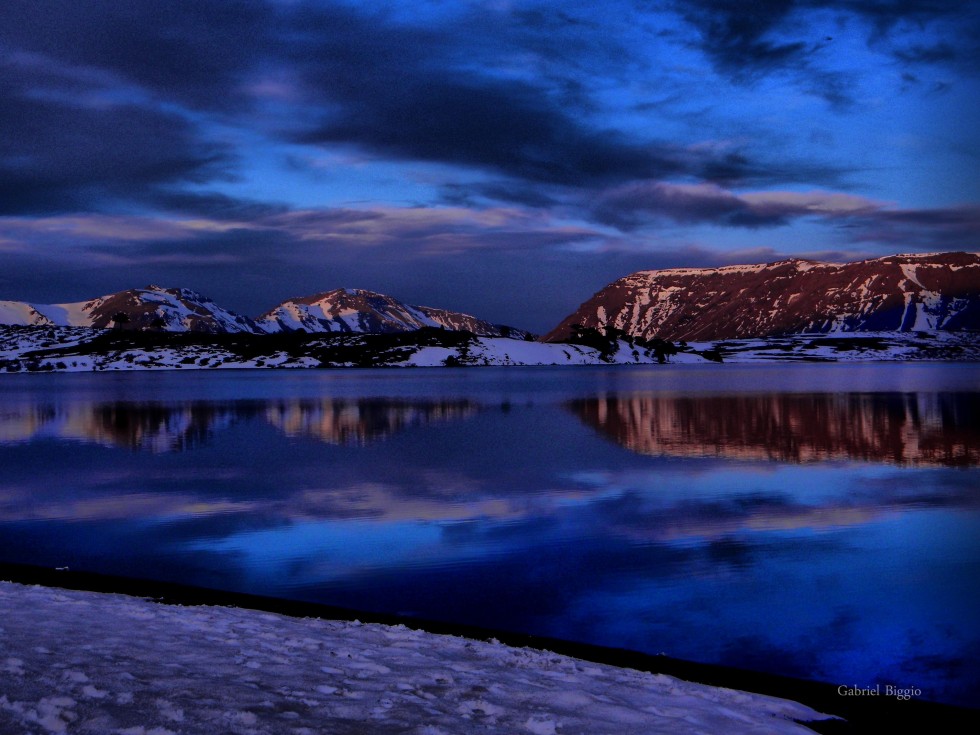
column 818, row 521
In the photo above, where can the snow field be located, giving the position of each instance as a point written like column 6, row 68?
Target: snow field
column 83, row 662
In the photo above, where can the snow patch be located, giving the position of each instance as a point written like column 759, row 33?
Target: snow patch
column 184, row 678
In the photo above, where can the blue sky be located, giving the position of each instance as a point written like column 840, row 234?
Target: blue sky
column 502, row 158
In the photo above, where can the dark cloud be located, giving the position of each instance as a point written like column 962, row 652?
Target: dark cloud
column 884, row 15
column 349, row 77
column 59, row 152
column 740, row 168
column 214, row 205
column 632, row 205
column 643, row 202
column 858, row 219
column 450, row 92
column 54, row 158
column 949, row 228
column 740, row 38
column 390, row 106
column 449, row 95
column 719, row 169
column 193, row 51
column 734, row 35
column 747, row 41
column 917, row 54
column 954, row 41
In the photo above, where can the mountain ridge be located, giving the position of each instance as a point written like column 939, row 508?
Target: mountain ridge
column 896, row 293
column 907, row 292
column 363, row 311
column 152, row 307
column 155, row 308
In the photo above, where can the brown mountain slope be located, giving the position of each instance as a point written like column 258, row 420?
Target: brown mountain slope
column 896, row 293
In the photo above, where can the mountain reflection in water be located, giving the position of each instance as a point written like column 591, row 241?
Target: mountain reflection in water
column 153, row 427
column 177, row 427
column 897, row 428
column 350, row 422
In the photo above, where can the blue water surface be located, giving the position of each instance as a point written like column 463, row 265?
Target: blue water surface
column 817, row 521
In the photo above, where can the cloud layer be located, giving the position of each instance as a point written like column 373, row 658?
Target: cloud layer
column 233, row 138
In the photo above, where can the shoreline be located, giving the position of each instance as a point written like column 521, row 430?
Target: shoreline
column 858, row 713
column 73, row 349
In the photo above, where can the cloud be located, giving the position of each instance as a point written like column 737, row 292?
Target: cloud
column 639, row 203
column 749, row 41
column 858, row 219
column 943, row 228
column 512, row 192
column 885, row 16
column 356, row 77
column 419, row 253
column 919, row 53
column 115, row 102
column 120, row 103
column 502, row 125
column 192, row 51
column 99, row 228
column 59, row 153
column 213, row 205
column 748, row 38
column 734, row 36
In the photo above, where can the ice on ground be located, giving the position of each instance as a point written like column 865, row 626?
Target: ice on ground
column 88, row 662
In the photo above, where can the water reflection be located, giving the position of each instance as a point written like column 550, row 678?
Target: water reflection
column 152, row 427
column 349, row 422
column 181, row 426
column 489, row 509
column 898, row 428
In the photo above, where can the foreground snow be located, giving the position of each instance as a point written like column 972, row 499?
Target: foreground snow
column 89, row 662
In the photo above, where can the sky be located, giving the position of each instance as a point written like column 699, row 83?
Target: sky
column 505, row 159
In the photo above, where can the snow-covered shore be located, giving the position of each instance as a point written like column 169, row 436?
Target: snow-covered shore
column 86, row 662
column 80, row 349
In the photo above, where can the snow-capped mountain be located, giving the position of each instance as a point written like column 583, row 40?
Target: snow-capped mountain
column 907, row 293
column 151, row 308
column 357, row 310
column 179, row 309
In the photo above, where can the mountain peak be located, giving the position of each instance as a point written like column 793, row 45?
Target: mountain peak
column 152, row 308
column 359, row 310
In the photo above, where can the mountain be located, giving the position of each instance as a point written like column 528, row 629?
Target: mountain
column 907, row 293
column 357, row 310
column 151, row 308
column 178, row 310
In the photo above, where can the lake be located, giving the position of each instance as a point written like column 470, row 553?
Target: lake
column 817, row 521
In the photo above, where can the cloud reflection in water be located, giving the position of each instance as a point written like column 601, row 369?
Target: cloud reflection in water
column 787, row 518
